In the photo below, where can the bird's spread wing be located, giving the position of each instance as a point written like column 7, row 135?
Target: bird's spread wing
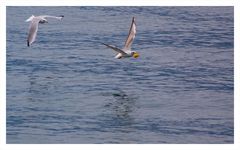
column 32, row 31
column 30, row 18
column 131, row 35
column 114, row 48
column 54, row 17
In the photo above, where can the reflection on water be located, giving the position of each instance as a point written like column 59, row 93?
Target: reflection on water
column 121, row 105
column 40, row 87
column 119, row 115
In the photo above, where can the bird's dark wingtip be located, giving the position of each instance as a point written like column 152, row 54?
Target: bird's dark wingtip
column 133, row 20
column 28, row 44
column 103, row 43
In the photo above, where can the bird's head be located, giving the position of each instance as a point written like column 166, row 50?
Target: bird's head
column 43, row 21
column 135, row 54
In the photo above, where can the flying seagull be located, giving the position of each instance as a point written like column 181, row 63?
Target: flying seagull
column 126, row 51
column 33, row 28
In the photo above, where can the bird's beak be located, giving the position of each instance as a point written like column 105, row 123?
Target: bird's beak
column 135, row 55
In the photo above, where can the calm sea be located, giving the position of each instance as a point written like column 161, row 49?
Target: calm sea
column 68, row 88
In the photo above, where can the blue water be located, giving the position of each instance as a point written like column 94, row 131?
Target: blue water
column 68, row 88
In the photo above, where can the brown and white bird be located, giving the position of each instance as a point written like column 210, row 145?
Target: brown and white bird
column 126, row 51
column 33, row 28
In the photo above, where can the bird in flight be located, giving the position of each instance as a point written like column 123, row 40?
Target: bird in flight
column 126, row 50
column 33, row 28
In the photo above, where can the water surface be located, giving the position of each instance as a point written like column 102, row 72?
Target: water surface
column 68, row 88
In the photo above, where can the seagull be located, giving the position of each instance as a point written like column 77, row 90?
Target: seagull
column 126, row 51
column 33, row 28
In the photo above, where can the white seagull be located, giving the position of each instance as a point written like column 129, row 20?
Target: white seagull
column 126, row 51
column 33, row 28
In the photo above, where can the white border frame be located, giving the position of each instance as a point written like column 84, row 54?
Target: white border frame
column 4, row 3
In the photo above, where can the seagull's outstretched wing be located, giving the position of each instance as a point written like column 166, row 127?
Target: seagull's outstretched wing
column 114, row 48
column 30, row 18
column 54, row 17
column 131, row 35
column 32, row 31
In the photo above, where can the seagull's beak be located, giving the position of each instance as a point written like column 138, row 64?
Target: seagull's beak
column 135, row 55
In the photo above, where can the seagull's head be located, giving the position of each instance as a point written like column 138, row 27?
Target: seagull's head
column 135, row 54
column 43, row 21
